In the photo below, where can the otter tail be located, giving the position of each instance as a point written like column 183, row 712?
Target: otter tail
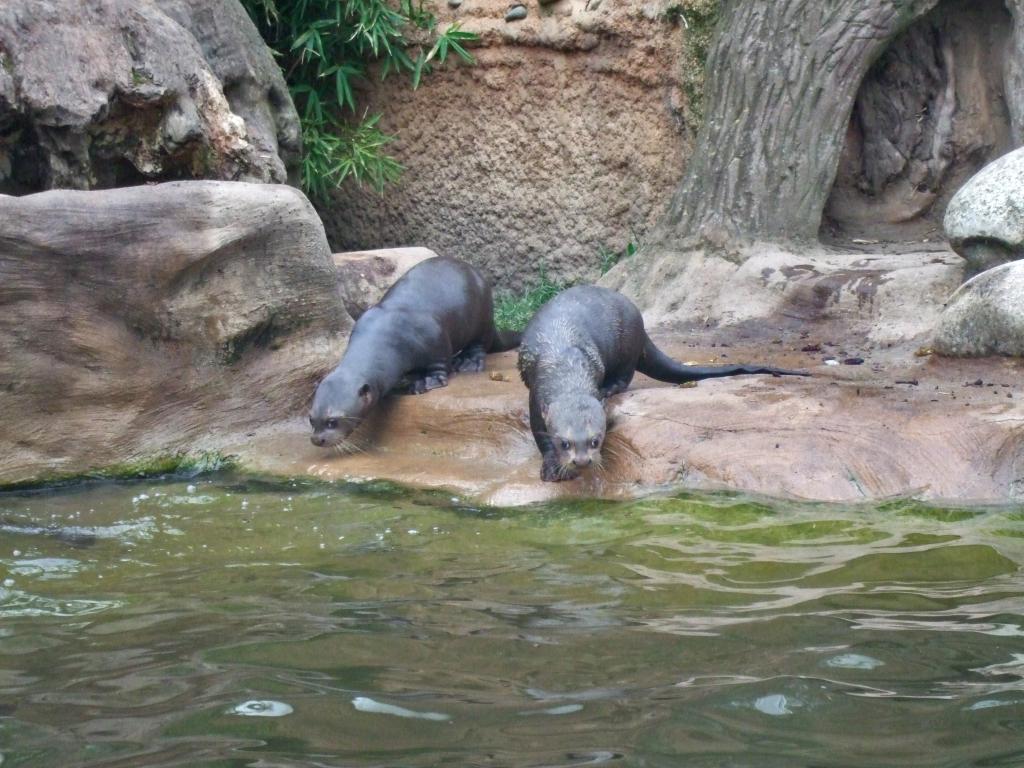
column 505, row 340
column 656, row 364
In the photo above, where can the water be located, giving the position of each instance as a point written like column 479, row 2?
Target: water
column 225, row 622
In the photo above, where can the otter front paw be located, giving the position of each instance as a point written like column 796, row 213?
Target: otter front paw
column 435, row 381
column 428, row 382
column 553, row 473
column 470, row 360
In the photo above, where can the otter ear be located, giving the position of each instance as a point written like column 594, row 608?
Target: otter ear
column 365, row 394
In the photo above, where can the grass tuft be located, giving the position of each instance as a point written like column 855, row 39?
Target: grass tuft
column 513, row 311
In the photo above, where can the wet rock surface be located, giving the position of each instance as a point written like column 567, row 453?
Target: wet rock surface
column 110, row 93
column 900, row 424
column 151, row 320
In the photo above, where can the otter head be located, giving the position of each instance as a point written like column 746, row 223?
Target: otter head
column 339, row 405
column 576, row 426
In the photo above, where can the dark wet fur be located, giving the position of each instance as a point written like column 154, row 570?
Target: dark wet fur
column 438, row 318
column 584, row 346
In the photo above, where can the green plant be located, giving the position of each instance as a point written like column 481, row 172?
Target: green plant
column 513, row 311
column 324, row 48
column 609, row 258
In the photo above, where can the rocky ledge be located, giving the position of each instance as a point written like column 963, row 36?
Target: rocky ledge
column 897, row 424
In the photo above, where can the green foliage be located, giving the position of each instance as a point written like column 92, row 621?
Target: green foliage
column 334, row 151
column 325, row 47
column 513, row 312
column 609, row 258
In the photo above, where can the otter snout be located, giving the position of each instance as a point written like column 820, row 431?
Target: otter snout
column 329, row 432
column 582, row 461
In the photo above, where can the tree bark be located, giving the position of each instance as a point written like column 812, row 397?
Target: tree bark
column 1014, row 72
column 782, row 78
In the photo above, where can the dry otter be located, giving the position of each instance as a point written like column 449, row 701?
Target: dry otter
column 437, row 318
column 580, row 348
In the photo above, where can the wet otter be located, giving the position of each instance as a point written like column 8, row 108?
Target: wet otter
column 437, row 318
column 582, row 347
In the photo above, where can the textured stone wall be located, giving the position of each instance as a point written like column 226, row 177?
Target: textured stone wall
column 566, row 137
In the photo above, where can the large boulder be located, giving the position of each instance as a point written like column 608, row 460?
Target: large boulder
column 105, row 93
column 153, row 320
column 985, row 316
column 882, row 298
column 985, row 219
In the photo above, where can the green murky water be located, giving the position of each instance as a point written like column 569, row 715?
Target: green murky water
column 234, row 623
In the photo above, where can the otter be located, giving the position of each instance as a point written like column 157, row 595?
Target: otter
column 581, row 348
column 437, row 318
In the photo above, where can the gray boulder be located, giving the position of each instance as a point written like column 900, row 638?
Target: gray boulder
column 152, row 320
column 985, row 219
column 985, row 316
column 106, row 93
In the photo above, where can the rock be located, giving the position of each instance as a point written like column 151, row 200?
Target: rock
column 985, row 316
column 515, row 13
column 985, row 219
column 884, row 298
column 249, row 76
column 845, row 434
column 111, row 93
column 454, row 3
column 364, row 276
column 151, row 320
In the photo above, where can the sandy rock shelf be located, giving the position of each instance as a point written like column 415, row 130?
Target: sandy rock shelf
column 849, row 433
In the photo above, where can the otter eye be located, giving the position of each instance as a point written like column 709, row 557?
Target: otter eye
column 594, row 442
column 332, row 423
column 565, row 445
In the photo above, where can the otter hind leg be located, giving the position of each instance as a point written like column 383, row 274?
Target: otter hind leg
column 471, row 359
column 613, row 385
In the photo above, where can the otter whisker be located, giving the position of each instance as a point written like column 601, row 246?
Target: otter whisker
column 351, row 446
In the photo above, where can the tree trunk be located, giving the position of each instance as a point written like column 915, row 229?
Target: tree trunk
column 1014, row 71
column 782, row 78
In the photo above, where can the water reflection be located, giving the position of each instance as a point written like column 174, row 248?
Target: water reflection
column 234, row 622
